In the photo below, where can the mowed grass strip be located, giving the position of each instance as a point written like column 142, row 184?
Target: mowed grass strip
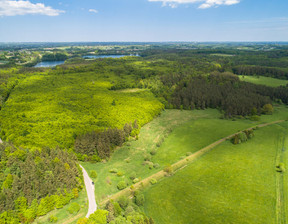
column 231, row 184
column 262, row 80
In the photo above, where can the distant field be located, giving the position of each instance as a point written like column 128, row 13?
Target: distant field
column 262, row 80
column 191, row 131
column 230, row 184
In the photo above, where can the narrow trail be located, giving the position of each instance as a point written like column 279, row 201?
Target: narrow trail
column 280, row 191
column 90, row 193
column 179, row 165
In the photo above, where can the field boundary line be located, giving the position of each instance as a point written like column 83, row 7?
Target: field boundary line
column 178, row 165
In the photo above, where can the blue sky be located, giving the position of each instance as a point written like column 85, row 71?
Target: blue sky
column 143, row 20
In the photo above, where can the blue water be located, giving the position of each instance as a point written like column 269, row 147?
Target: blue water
column 48, row 64
column 105, row 56
column 54, row 63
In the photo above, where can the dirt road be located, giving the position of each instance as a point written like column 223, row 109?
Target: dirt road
column 90, row 193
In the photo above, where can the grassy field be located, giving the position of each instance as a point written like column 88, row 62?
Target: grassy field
column 63, row 215
column 230, row 184
column 262, row 80
column 177, row 133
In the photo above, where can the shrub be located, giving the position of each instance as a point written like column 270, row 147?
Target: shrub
column 120, row 173
column 74, row 208
column 136, row 180
column 147, row 157
column 153, row 181
column 93, row 174
column 52, row 218
column 188, row 153
column 121, row 185
column 156, row 165
column 267, row 109
column 128, row 160
column 113, row 170
column 153, row 152
column 255, row 118
column 280, row 167
column 132, row 175
column 123, row 202
column 168, row 169
column 139, row 199
column 151, row 166
column 159, row 143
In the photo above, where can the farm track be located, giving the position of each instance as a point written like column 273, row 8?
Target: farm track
column 280, row 188
column 179, row 165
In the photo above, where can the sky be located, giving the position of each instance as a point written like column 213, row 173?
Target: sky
column 143, row 20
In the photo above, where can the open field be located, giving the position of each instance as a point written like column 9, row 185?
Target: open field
column 262, row 80
column 191, row 131
column 230, row 184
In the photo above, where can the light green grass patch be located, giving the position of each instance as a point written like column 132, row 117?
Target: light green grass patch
column 191, row 131
column 262, row 80
column 230, row 184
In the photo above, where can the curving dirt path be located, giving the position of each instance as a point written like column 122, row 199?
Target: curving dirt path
column 179, row 165
column 90, row 193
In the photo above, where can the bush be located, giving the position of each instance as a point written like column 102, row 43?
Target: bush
column 121, row 185
column 113, row 170
column 153, row 152
column 74, row 208
column 156, row 165
column 93, row 174
column 128, row 160
column 139, row 199
column 136, row 180
column 52, row 218
column 188, row 153
column 147, row 157
column 280, row 168
column 123, row 202
column 132, row 175
column 255, row 118
column 120, row 173
column 168, row 169
column 153, row 181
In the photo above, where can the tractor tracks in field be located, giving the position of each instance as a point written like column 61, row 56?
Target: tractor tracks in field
column 280, row 185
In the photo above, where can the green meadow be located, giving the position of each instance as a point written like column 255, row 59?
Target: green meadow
column 167, row 139
column 230, row 184
column 262, row 80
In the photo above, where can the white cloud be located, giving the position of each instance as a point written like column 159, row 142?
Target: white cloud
column 93, row 10
column 14, row 8
column 204, row 4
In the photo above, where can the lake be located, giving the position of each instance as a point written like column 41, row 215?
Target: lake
column 48, row 64
column 54, row 63
column 105, row 56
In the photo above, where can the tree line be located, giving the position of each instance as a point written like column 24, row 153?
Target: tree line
column 226, row 92
column 94, row 146
column 260, row 71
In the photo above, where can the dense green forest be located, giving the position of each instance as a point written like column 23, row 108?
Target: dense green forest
column 83, row 110
column 36, row 182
